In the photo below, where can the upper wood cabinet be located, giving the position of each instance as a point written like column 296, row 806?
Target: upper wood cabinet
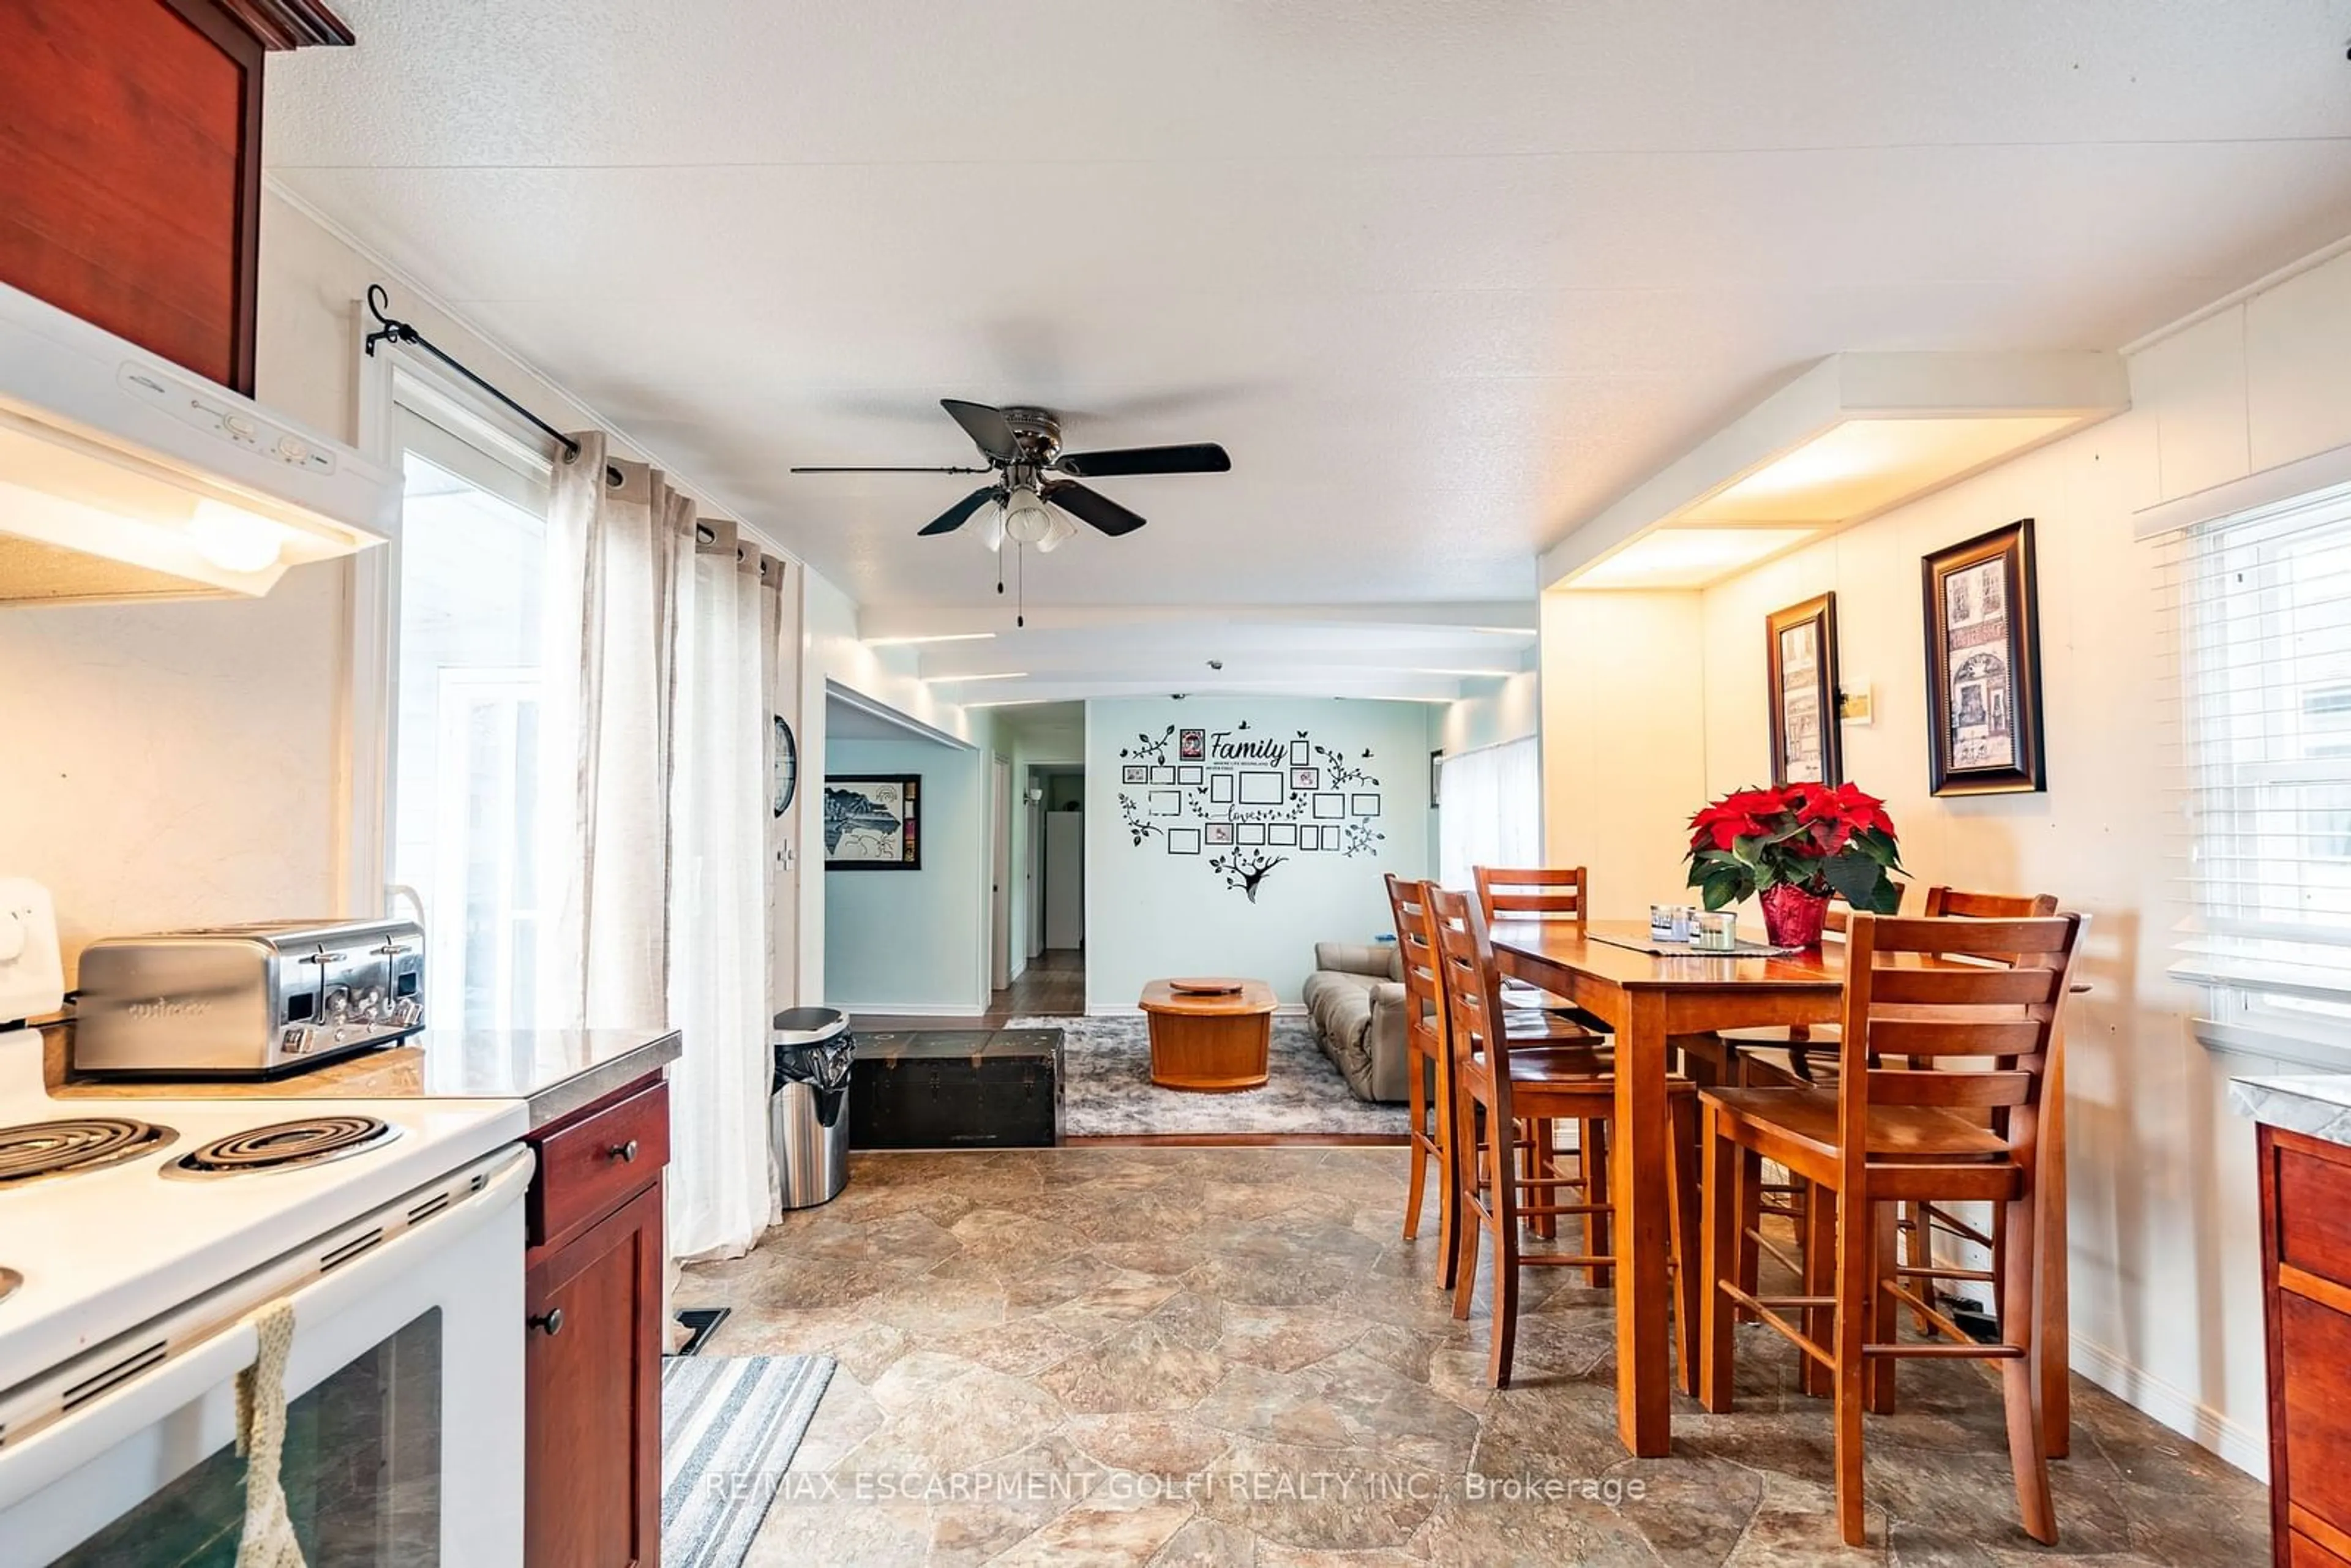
column 131, row 164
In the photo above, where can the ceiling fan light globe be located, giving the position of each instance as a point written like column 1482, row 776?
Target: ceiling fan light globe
column 1058, row 531
column 1026, row 520
column 991, row 532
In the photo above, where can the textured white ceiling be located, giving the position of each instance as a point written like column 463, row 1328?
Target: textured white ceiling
column 1445, row 276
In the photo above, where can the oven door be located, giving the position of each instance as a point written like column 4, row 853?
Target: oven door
column 405, row 1423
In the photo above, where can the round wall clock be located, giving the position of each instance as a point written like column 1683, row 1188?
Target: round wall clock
column 786, row 765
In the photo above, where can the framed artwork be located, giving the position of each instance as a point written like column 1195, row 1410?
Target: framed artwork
column 1134, row 773
column 1191, row 745
column 1802, row 666
column 1983, row 666
column 1306, row 780
column 873, row 821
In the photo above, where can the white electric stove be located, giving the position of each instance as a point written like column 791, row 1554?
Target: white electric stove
column 140, row 1237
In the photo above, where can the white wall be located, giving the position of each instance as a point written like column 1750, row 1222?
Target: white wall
column 914, row 940
column 1491, row 710
column 1151, row 915
column 2166, row 1275
column 1624, row 747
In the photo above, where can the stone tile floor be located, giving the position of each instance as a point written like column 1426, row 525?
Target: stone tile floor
column 1228, row 1356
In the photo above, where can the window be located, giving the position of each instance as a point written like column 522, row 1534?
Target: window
column 2264, row 608
column 465, row 685
column 1490, row 810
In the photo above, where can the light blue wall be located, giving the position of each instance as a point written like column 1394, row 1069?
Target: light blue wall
column 913, row 940
column 1150, row 914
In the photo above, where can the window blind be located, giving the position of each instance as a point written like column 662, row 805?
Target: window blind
column 2262, row 614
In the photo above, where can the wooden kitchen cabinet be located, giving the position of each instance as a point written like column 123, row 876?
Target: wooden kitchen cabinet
column 592, row 1358
column 131, row 164
column 2306, row 1276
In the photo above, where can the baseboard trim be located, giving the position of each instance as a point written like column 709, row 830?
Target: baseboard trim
column 2175, row 1408
column 1236, row 1140
column 1129, row 1011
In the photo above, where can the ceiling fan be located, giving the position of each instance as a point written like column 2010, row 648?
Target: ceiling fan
column 1023, row 448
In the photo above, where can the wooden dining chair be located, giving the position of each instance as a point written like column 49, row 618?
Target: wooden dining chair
column 1550, row 893
column 1427, row 1058
column 1797, row 1056
column 1499, row 1083
column 1978, row 1002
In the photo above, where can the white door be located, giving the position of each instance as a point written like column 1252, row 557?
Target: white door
column 999, row 876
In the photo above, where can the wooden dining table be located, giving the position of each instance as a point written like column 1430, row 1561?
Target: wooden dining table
column 1648, row 999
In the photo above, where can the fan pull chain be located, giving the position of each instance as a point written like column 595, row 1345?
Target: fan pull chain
column 1020, row 586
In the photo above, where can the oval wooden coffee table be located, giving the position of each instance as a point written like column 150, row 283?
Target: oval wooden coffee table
column 1211, row 1041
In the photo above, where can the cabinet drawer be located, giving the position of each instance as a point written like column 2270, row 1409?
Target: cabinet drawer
column 588, row 1167
column 2314, row 1213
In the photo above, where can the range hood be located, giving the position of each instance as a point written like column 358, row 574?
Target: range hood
column 123, row 476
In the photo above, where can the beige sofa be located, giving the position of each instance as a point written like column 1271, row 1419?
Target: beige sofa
column 1355, row 996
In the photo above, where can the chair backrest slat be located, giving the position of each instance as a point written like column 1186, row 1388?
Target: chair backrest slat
column 1531, row 893
column 1952, row 901
column 1953, row 1036
column 1965, row 988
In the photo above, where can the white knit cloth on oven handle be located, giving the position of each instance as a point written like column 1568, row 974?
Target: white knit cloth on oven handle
column 269, row 1541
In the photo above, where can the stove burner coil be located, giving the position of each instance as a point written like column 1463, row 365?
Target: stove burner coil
column 39, row 1149
column 286, row 1145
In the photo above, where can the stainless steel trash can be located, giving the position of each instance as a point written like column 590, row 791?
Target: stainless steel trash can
column 807, row 1103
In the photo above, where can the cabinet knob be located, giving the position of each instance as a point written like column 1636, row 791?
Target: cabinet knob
column 549, row 1323
column 625, row 1152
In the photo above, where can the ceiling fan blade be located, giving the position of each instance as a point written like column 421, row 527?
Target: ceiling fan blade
column 954, row 517
column 1201, row 457
column 1092, row 506
column 988, row 429
column 867, row 469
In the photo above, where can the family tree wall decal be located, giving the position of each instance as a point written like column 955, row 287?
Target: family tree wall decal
column 1238, row 797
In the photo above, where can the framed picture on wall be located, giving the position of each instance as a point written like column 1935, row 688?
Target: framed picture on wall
column 873, row 821
column 1983, row 666
column 1801, row 662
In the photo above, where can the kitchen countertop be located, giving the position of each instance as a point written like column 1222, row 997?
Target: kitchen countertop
column 2318, row 1105
column 556, row 1071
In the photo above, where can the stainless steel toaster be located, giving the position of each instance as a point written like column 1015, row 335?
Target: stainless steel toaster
column 246, row 1001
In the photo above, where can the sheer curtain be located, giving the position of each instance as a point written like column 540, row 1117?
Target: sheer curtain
column 1490, row 810
column 653, row 828
column 723, row 1186
column 617, row 543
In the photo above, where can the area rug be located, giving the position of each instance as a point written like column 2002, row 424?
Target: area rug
column 730, row 1426
column 1106, row 1088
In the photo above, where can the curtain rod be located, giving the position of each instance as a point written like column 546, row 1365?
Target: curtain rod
column 402, row 332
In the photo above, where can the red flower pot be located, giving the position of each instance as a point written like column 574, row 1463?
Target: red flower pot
column 1792, row 917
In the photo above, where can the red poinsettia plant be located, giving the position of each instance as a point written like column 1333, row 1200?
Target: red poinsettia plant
column 1819, row 839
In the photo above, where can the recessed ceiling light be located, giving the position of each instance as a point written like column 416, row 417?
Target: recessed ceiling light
column 959, row 680
column 942, row 637
column 1504, row 631
column 1687, row 557
column 1011, row 702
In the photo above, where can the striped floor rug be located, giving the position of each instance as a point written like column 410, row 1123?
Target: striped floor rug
column 730, row 1426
